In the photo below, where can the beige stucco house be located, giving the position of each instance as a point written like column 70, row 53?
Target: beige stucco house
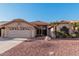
column 22, row 28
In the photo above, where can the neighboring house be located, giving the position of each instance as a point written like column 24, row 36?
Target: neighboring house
column 22, row 28
column 62, row 26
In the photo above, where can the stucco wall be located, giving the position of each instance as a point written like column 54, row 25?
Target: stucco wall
column 52, row 34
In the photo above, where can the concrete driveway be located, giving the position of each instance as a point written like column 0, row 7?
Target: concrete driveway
column 8, row 43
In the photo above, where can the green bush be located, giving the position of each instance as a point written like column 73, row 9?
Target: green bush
column 77, row 34
column 61, row 34
column 73, row 35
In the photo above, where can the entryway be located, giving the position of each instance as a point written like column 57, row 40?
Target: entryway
column 41, row 32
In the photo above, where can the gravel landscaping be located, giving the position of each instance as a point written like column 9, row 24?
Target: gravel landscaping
column 56, row 47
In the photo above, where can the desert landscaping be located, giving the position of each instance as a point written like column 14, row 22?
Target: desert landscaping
column 53, row 47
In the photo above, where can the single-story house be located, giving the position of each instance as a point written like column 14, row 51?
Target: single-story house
column 22, row 28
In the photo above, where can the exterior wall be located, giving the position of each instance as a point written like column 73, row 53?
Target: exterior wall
column 2, row 32
column 33, row 33
column 52, row 34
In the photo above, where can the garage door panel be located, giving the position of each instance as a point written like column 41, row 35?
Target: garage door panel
column 19, row 33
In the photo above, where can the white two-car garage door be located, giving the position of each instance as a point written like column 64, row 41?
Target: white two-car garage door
column 20, row 33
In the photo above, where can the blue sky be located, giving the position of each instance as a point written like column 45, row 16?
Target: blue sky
column 47, row 12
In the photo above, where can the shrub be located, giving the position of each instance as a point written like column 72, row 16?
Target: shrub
column 77, row 34
column 73, row 35
column 61, row 34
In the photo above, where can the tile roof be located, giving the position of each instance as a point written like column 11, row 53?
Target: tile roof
column 39, row 23
column 17, row 20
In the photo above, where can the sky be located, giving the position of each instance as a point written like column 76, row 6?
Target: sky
column 47, row 12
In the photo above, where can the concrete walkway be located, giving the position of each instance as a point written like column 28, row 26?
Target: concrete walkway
column 8, row 43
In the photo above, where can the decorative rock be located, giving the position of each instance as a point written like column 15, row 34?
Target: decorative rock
column 51, row 53
column 47, row 38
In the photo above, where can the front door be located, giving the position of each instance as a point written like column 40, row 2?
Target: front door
column 44, row 32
